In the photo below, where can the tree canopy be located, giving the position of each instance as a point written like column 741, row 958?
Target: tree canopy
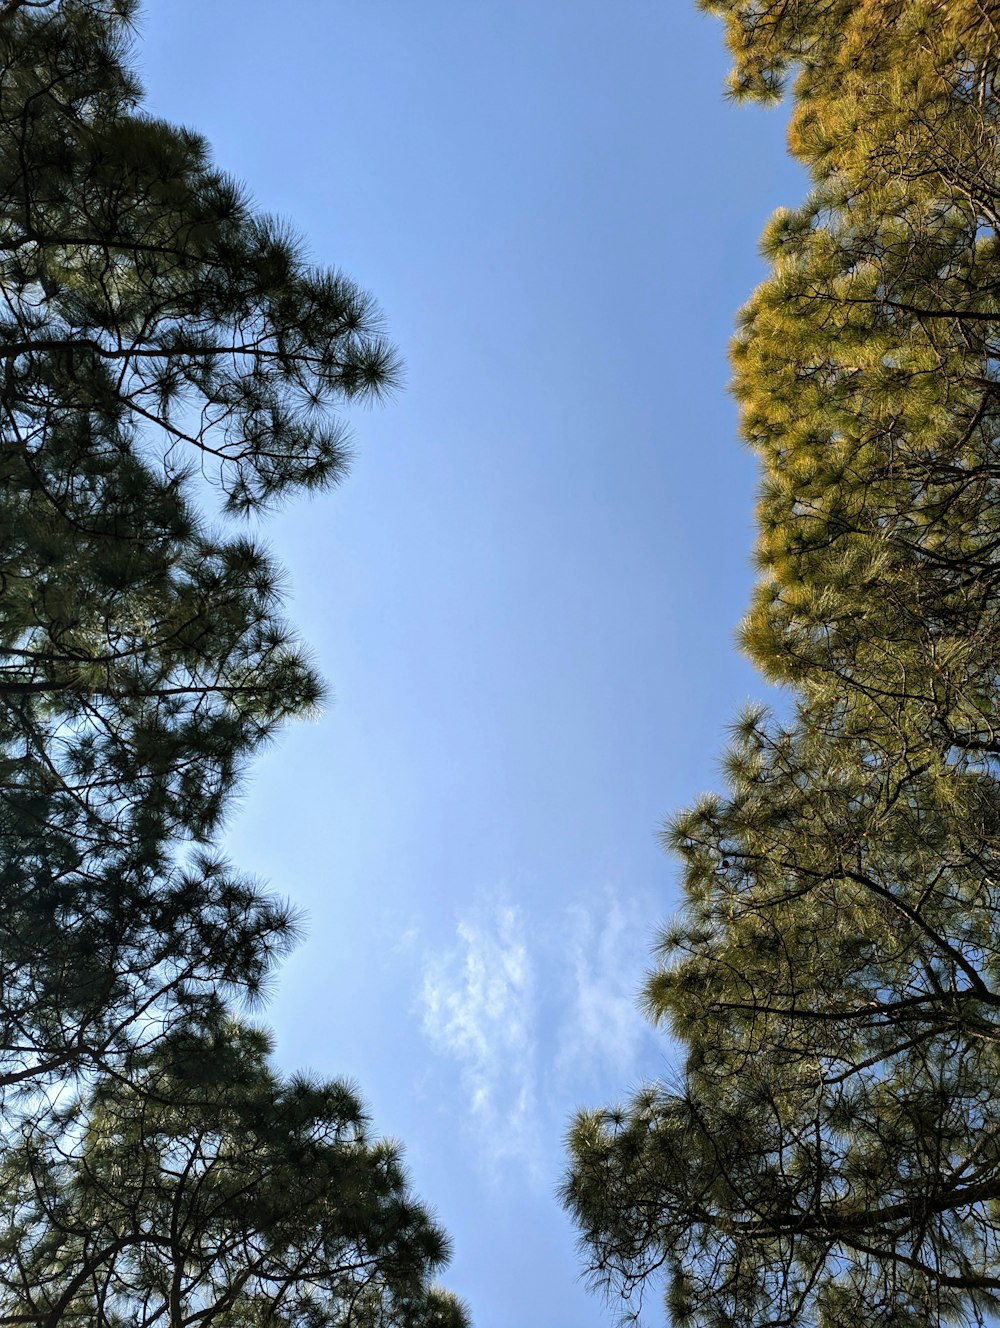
column 207, row 1190
column 154, row 328
column 171, row 362
column 829, row 1152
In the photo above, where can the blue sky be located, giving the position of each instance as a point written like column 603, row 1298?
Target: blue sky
column 524, row 597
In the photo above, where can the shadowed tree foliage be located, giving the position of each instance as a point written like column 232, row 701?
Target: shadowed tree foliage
column 210, row 1191
column 165, row 351
column 155, row 329
column 828, row 1153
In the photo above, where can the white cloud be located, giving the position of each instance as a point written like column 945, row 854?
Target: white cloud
column 540, row 1026
column 478, row 1006
column 607, row 949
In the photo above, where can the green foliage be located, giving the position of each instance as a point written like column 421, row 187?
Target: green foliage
column 209, row 1190
column 143, row 663
column 154, row 328
column 828, row 1155
column 163, row 345
column 152, row 325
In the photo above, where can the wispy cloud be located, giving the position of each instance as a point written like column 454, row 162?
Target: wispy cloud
column 539, row 1014
column 606, row 948
column 478, row 1006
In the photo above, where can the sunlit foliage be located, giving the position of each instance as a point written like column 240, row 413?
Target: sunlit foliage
column 830, row 1153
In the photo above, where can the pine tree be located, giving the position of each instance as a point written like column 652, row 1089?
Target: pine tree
column 153, row 326
column 828, row 1154
column 164, row 346
column 209, row 1190
column 831, row 1150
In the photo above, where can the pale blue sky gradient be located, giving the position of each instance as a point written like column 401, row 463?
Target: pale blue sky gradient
column 524, row 597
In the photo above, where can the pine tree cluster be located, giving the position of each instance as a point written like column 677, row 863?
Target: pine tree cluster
column 165, row 348
column 830, row 1151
